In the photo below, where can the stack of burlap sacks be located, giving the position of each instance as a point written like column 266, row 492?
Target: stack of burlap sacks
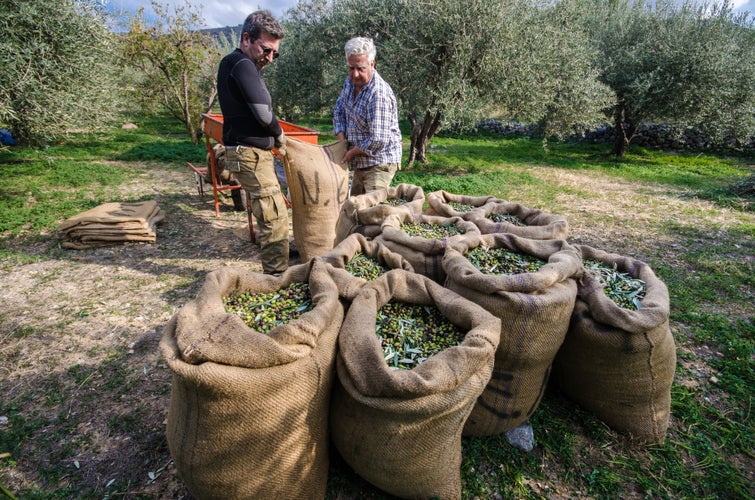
column 111, row 224
column 254, row 414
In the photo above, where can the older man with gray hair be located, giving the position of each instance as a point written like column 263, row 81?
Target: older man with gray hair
column 366, row 115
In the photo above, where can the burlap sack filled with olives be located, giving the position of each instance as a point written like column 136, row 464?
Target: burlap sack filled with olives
column 506, row 217
column 248, row 410
column 363, row 214
column 445, row 204
column 534, row 306
column 618, row 362
column 400, row 429
column 363, row 258
column 318, row 186
column 422, row 240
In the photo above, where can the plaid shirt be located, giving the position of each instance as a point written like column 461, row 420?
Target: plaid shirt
column 369, row 121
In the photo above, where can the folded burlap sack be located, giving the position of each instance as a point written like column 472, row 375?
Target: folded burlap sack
column 426, row 253
column 112, row 223
column 363, row 214
column 619, row 363
column 506, row 217
column 401, row 429
column 130, row 213
column 446, row 204
column 318, row 186
column 248, row 415
column 534, row 309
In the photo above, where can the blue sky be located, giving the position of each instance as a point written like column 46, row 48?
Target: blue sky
column 220, row 13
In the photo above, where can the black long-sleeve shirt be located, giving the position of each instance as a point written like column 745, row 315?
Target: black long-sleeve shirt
column 245, row 102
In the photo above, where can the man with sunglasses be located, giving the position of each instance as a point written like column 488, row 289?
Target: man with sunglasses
column 251, row 131
column 366, row 115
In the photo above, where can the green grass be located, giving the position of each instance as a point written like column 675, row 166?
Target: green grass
column 696, row 170
column 711, row 287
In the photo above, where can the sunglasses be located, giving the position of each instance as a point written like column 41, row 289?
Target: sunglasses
column 266, row 51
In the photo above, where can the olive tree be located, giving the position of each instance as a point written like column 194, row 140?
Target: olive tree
column 689, row 64
column 451, row 62
column 57, row 68
column 511, row 58
column 176, row 64
column 306, row 78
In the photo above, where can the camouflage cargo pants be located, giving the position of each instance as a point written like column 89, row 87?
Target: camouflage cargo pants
column 255, row 169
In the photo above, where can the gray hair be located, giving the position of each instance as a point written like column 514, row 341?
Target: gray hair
column 360, row 45
column 260, row 21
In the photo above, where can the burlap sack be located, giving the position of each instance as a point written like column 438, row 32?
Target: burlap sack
column 364, row 213
column 355, row 243
column 538, row 225
column 619, row 363
column 401, row 430
column 112, row 223
column 534, row 309
column 129, row 213
column 318, row 186
column 440, row 203
column 248, row 411
column 425, row 254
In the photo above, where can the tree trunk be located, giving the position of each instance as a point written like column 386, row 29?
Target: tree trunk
column 194, row 132
column 624, row 129
column 421, row 134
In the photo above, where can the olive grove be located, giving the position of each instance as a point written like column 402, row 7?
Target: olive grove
column 306, row 78
column 687, row 65
column 565, row 66
column 450, row 62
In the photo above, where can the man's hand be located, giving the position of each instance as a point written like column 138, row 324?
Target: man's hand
column 351, row 153
column 280, row 144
